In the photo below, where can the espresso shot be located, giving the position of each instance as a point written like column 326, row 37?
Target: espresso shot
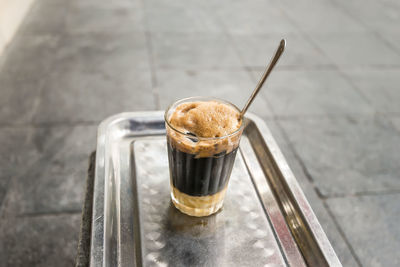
column 203, row 137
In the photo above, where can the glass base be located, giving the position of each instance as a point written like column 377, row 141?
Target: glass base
column 197, row 206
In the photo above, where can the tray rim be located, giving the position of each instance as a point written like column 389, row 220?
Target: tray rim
column 97, row 255
column 299, row 196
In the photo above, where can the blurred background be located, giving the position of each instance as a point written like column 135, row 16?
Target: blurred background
column 333, row 104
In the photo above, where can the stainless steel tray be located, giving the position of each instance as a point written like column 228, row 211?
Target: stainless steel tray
column 266, row 219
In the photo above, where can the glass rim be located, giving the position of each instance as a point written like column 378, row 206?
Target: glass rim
column 200, row 98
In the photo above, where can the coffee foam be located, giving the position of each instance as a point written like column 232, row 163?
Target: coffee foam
column 204, row 119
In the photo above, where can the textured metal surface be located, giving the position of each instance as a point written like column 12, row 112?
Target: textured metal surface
column 238, row 235
column 266, row 220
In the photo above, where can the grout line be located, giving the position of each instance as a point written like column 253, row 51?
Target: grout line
column 53, row 63
column 35, row 108
column 366, row 115
column 294, row 151
column 336, row 66
column 340, row 72
column 49, row 124
column 388, row 114
column 360, row 194
column 333, row 65
column 341, row 232
column 327, row 67
column 291, row 146
column 389, row 118
column 48, row 213
column 230, row 39
column 310, row 178
column 386, row 42
column 321, row 116
column 154, row 83
column 151, row 60
column 316, row 67
column 247, row 69
column 278, row 117
column 349, row 14
column 368, row 27
column 356, row 88
column 29, row 169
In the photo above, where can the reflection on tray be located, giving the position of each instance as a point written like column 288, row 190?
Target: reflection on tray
column 189, row 225
column 192, row 241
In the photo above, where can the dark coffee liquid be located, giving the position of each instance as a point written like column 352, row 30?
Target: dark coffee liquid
column 200, row 176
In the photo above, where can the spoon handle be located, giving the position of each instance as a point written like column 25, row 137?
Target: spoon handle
column 268, row 70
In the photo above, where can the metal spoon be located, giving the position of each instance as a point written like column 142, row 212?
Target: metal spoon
column 268, row 70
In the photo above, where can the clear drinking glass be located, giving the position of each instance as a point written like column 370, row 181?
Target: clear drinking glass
column 199, row 167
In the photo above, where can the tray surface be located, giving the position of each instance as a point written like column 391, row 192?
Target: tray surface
column 265, row 221
column 239, row 234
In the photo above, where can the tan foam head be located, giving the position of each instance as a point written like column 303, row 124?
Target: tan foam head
column 204, row 119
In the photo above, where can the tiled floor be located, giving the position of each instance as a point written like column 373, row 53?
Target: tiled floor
column 333, row 104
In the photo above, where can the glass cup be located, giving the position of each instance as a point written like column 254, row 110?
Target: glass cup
column 199, row 167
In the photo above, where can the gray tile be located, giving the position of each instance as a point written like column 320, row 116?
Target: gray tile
column 57, row 182
column 45, row 17
column 26, row 64
column 74, row 144
column 18, row 149
column 257, row 51
column 193, row 51
column 381, row 87
column 49, row 191
column 180, row 16
column 39, row 241
column 370, row 224
column 392, row 38
column 348, row 155
column 319, row 17
column 75, row 95
column 376, row 15
column 393, row 3
column 257, row 17
column 90, row 20
column 396, row 123
column 31, row 56
column 310, row 93
column 18, row 98
column 356, row 49
column 164, row 5
column 108, row 5
column 5, row 177
column 53, row 2
column 326, row 221
column 234, row 86
column 109, row 51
